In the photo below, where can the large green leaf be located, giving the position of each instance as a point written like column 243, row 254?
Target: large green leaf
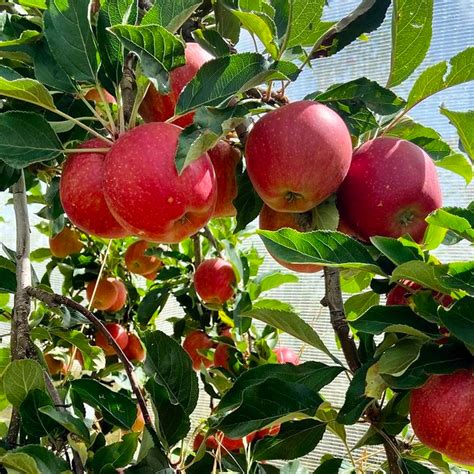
column 27, row 90
column 170, row 14
column 170, row 366
column 220, row 79
column 459, row 319
column 456, row 219
column 436, row 77
column 26, row 138
column 295, row 439
column 34, row 421
column 116, row 408
column 398, row 250
column 20, row 463
column 457, row 276
column 396, row 359
column 359, row 303
column 287, row 321
column 330, row 248
column 411, row 37
column 419, row 272
column 19, row 378
column 47, row 462
column 159, row 51
column 303, row 20
column 72, row 423
column 116, row 455
column 464, row 123
column 70, row 38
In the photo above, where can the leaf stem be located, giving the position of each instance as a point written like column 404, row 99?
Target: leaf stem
column 104, row 123
column 107, row 109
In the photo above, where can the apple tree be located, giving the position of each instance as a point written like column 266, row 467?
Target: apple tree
column 151, row 145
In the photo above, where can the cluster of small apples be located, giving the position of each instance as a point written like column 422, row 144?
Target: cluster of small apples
column 133, row 188
column 128, row 342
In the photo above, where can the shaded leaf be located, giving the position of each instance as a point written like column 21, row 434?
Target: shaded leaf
column 398, row 250
column 170, row 14
column 19, row 378
column 118, row 454
column 396, row 359
column 464, row 123
column 46, row 461
column 72, row 423
column 20, row 463
column 248, row 203
column 459, row 319
column 35, row 423
column 153, row 302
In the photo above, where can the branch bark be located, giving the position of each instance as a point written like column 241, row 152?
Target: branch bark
column 128, row 86
column 197, row 250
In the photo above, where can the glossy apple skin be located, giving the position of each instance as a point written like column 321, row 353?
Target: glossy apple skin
column 144, row 191
column 298, row 155
column 442, row 415
column 157, row 107
column 391, row 187
column 285, row 355
column 214, row 281
column 118, row 333
column 121, row 298
column 81, row 191
column 105, row 295
column 221, row 356
column 65, row 243
column 195, row 342
column 137, row 262
column 134, row 349
column 273, row 220
column 225, row 158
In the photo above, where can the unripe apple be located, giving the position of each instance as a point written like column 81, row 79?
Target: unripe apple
column 273, row 220
column 117, row 332
column 225, row 159
column 144, row 191
column 389, row 190
column 298, row 155
column 194, row 342
column 134, row 349
column 137, row 262
column 65, row 243
column 271, row 431
column 221, row 356
column 105, row 295
column 214, row 281
column 442, row 415
column 122, row 294
column 285, row 355
column 157, row 107
column 81, row 191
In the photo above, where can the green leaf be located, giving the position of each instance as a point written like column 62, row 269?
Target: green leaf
column 436, row 77
column 269, row 281
column 288, row 322
column 398, row 250
column 116, row 455
column 303, row 21
column 457, row 275
column 456, row 219
column 295, row 439
column 247, row 203
column 26, row 138
column 19, row 378
column 326, row 215
column 153, row 302
column 221, row 78
column 19, row 463
column 464, row 123
column 358, row 304
column 170, row 366
column 419, row 272
column 35, row 423
column 70, row 38
column 72, row 423
column 116, row 408
column 159, row 51
column 459, row 319
column 330, row 466
column 170, row 14
column 411, row 37
column 27, row 90
column 155, row 461
column 413, row 467
column 8, row 73
column 266, row 403
column 26, row 36
column 7, row 279
column 212, row 42
column 396, row 359
column 323, row 247
column 46, row 461
column 262, row 26
column 41, row 4
column 114, row 12
column 228, row 26
column 378, row 319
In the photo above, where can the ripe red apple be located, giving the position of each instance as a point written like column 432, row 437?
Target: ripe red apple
column 399, row 294
column 82, row 193
column 144, row 191
column 137, row 262
column 214, row 281
column 157, row 107
column 225, row 159
column 65, row 243
column 225, row 443
column 117, row 332
column 221, row 356
column 122, row 294
column 273, row 220
column 442, row 415
column 271, row 431
column 105, row 295
column 134, row 349
column 285, row 355
column 194, row 342
column 391, row 187
column 298, row 155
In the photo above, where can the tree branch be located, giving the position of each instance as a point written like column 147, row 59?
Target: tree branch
column 53, row 300
column 206, row 232
column 128, row 86
column 197, row 250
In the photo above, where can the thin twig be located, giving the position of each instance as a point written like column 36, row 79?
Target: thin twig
column 206, row 232
column 128, row 87
column 197, row 250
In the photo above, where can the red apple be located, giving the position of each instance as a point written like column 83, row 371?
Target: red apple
column 137, row 262
column 134, row 349
column 144, row 191
column 105, row 295
column 225, row 158
column 391, row 187
column 214, row 281
column 399, row 294
column 442, row 415
column 82, row 193
column 117, row 332
column 273, row 220
column 122, row 294
column 285, row 355
column 271, row 431
column 65, row 243
column 233, row 444
column 298, row 155
column 157, row 107
column 221, row 356
column 194, row 342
